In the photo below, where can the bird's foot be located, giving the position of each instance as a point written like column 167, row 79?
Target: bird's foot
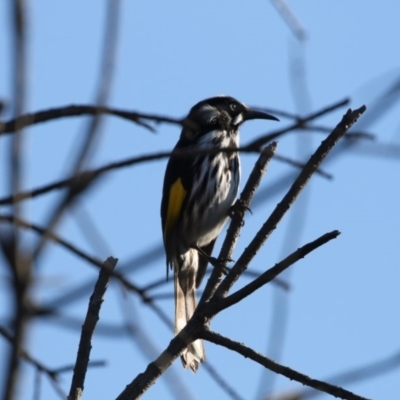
column 216, row 262
column 238, row 210
column 220, row 263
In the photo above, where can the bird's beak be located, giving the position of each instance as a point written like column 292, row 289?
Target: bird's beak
column 253, row 114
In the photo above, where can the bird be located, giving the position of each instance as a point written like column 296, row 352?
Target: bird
column 198, row 192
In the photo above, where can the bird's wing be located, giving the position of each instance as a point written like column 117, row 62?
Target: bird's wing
column 176, row 191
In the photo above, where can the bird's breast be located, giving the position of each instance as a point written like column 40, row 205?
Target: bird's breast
column 214, row 190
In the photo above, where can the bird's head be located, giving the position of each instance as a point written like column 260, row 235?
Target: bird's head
column 219, row 113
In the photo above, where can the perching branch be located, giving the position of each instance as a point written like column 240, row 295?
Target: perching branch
column 199, row 322
column 212, row 301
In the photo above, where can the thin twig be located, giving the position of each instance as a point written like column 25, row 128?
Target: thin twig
column 273, row 272
column 249, row 273
column 135, row 328
column 289, row 373
column 299, row 164
column 37, row 385
column 92, row 133
column 298, row 124
column 40, row 368
column 76, row 110
column 364, row 372
column 155, row 369
column 279, row 303
column 291, row 20
column 78, row 292
column 27, row 357
column 223, row 383
column 73, row 249
column 278, row 113
column 88, row 327
column 83, row 180
column 20, row 269
column 349, row 135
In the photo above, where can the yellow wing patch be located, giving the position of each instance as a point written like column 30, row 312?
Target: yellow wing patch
column 177, row 195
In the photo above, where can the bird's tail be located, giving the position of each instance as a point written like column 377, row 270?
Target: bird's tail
column 185, row 304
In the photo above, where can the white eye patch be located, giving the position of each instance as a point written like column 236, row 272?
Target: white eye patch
column 238, row 119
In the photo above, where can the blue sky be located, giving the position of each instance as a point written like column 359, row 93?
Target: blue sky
column 343, row 304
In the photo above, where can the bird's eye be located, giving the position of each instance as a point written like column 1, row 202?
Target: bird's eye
column 233, row 106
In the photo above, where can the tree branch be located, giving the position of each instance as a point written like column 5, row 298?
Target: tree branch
column 93, row 128
column 83, row 180
column 289, row 373
column 299, row 124
column 362, row 373
column 88, row 328
column 94, row 261
column 206, row 310
column 77, row 110
column 142, row 382
column 20, row 268
column 273, row 272
column 291, row 20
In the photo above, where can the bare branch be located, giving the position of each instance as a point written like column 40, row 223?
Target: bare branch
column 291, row 20
column 299, row 124
column 224, row 385
column 289, row 373
column 273, row 272
column 27, row 357
column 155, row 369
column 282, row 284
column 40, row 368
column 75, row 250
column 84, row 180
column 366, row 371
column 76, row 110
column 349, row 135
column 20, row 268
column 92, row 133
column 88, row 328
column 298, row 164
